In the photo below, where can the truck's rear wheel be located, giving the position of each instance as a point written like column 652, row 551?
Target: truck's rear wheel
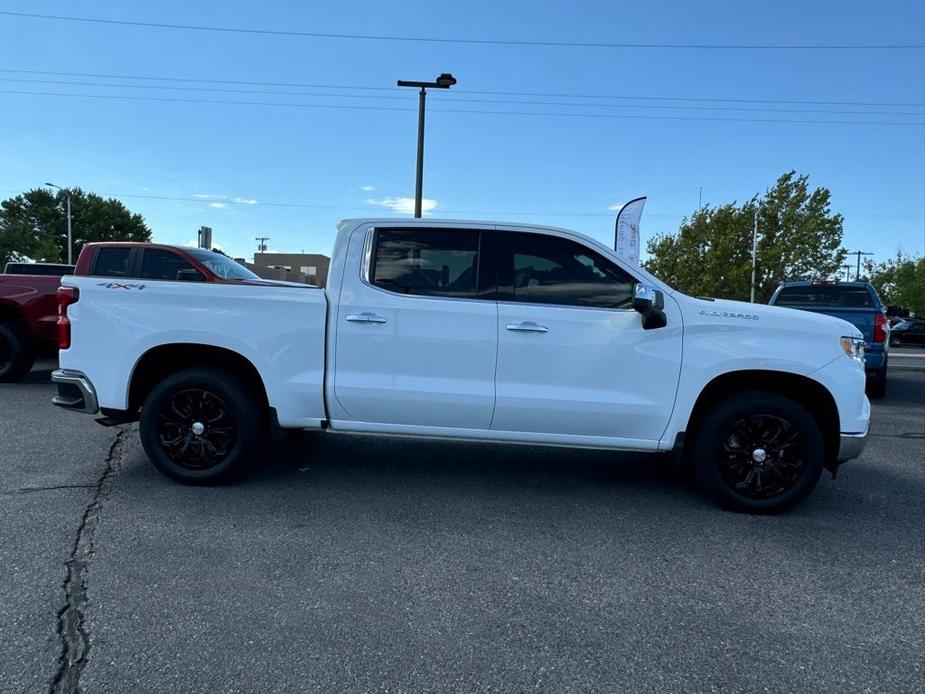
column 201, row 426
column 16, row 355
column 758, row 452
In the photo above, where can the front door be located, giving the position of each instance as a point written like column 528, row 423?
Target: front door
column 415, row 344
column 573, row 358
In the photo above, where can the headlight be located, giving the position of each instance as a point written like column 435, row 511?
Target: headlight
column 853, row 347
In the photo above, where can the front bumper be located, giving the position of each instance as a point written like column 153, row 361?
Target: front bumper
column 75, row 392
column 851, row 446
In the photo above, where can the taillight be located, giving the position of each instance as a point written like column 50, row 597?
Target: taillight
column 66, row 297
column 879, row 327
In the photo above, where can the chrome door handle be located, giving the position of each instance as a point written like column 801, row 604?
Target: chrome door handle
column 366, row 318
column 527, row 327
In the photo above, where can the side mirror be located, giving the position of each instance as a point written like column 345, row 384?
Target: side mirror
column 190, row 275
column 649, row 302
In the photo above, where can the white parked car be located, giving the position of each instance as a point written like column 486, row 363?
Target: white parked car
column 466, row 330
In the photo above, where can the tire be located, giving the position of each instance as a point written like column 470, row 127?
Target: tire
column 230, row 437
column 16, row 354
column 876, row 385
column 736, row 449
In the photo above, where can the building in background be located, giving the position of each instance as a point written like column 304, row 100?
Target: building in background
column 311, row 268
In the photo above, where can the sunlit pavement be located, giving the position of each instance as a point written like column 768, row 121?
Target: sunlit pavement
column 349, row 564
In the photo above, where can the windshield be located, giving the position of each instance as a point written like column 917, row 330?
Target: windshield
column 825, row 295
column 223, row 266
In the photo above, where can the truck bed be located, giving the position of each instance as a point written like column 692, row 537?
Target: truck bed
column 279, row 329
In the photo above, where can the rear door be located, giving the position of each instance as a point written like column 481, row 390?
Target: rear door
column 416, row 338
column 573, row 358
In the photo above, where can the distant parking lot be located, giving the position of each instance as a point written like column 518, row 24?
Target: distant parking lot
column 352, row 564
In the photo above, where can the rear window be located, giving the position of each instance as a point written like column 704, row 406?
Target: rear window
column 157, row 264
column 834, row 295
column 47, row 269
column 112, row 262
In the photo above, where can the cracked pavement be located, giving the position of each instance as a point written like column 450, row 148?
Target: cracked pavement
column 353, row 564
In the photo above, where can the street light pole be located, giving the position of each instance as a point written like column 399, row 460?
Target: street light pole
column 70, row 237
column 419, row 169
column 444, row 81
column 754, row 253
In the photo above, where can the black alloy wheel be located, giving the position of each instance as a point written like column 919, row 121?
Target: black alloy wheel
column 757, row 452
column 202, row 426
column 761, row 456
column 197, row 430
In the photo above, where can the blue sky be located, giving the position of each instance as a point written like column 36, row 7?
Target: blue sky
column 319, row 165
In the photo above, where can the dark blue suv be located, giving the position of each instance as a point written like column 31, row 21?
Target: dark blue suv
column 855, row 302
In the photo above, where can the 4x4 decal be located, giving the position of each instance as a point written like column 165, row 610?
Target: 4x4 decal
column 120, row 285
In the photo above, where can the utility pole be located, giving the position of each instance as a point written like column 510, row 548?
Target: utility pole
column 754, row 253
column 262, row 243
column 857, row 276
column 847, row 269
column 70, row 236
column 700, row 199
column 444, row 81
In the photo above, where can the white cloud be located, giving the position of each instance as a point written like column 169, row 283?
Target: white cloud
column 615, row 208
column 367, row 189
column 218, row 205
column 403, row 204
column 244, row 201
column 206, row 196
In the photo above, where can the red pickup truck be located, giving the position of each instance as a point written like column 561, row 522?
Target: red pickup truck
column 28, row 314
column 29, row 307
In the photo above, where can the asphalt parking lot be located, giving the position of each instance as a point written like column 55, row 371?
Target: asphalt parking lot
column 351, row 564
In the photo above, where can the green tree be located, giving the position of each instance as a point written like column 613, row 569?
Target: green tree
column 711, row 254
column 900, row 281
column 34, row 224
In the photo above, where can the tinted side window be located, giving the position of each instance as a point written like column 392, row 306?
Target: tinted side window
column 437, row 262
column 553, row 270
column 162, row 265
column 112, row 262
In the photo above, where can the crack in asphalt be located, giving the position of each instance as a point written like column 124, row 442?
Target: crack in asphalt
column 27, row 490
column 72, row 631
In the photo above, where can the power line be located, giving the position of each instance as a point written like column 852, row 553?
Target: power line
column 471, row 41
column 606, row 116
column 553, row 95
column 672, row 107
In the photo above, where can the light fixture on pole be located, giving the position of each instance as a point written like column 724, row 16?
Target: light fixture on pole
column 444, row 81
column 70, row 244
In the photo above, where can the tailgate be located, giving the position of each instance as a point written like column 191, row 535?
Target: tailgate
column 861, row 318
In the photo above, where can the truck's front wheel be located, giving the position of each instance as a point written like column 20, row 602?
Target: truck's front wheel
column 200, row 426
column 758, row 452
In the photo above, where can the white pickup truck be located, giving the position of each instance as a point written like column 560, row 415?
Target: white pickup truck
column 470, row 330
